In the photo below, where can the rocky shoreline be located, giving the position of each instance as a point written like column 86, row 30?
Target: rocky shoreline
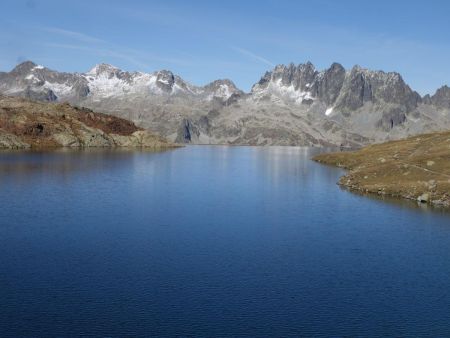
column 26, row 124
column 417, row 168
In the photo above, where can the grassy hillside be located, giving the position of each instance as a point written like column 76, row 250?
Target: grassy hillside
column 415, row 168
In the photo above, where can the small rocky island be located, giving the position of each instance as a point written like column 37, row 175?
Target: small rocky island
column 416, row 168
column 28, row 124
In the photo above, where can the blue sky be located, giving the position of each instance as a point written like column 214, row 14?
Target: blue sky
column 206, row 40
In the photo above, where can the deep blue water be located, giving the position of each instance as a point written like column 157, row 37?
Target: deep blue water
column 211, row 241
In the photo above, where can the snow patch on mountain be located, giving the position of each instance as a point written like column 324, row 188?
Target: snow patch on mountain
column 106, row 87
column 60, row 89
column 223, row 92
column 276, row 90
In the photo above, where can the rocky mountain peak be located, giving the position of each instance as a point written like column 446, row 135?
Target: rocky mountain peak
column 224, row 90
column 291, row 104
column 441, row 98
column 25, row 68
column 362, row 86
column 298, row 78
column 165, row 80
column 339, row 89
column 307, row 66
column 328, row 84
column 104, row 69
column 336, row 67
column 220, row 84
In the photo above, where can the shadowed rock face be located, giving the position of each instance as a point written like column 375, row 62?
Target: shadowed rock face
column 330, row 85
column 356, row 91
column 391, row 119
column 362, row 86
column 349, row 90
column 290, row 105
column 187, row 133
column 44, row 95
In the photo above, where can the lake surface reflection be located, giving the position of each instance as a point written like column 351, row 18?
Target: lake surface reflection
column 211, row 241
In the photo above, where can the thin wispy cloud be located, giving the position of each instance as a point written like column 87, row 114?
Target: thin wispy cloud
column 253, row 56
column 130, row 55
column 96, row 46
column 101, row 52
column 74, row 35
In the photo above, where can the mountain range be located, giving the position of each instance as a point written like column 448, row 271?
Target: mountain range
column 289, row 105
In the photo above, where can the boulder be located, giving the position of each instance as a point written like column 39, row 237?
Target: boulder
column 424, row 198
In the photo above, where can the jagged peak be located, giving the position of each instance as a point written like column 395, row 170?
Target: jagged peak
column 280, row 67
column 442, row 91
column 357, row 68
column 307, row 64
column 292, row 65
column 441, row 98
column 443, row 88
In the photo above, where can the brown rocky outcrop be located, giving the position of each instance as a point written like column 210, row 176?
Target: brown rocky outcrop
column 30, row 124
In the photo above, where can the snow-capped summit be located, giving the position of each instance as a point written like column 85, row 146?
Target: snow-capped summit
column 107, row 81
column 222, row 89
column 103, row 68
column 291, row 104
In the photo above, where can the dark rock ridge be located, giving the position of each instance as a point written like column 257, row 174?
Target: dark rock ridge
column 348, row 91
column 290, row 105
